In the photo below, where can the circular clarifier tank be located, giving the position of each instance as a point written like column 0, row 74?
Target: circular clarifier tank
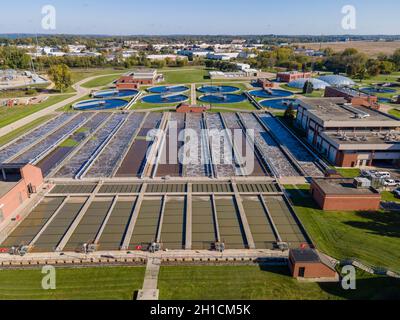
column 115, row 93
column 279, row 104
column 100, row 104
column 164, row 98
column 384, row 100
column 377, row 90
column 273, row 93
column 223, row 98
column 168, row 89
column 218, row 89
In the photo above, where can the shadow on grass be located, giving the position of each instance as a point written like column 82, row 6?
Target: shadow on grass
column 277, row 269
column 301, row 198
column 379, row 223
column 367, row 288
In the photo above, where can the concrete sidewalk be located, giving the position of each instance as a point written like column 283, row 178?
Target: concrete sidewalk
column 149, row 290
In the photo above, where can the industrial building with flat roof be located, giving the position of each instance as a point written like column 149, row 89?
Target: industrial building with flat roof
column 344, row 195
column 349, row 136
column 353, row 96
column 133, row 80
column 292, row 75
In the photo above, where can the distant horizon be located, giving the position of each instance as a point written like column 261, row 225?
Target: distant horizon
column 209, row 17
column 195, row 35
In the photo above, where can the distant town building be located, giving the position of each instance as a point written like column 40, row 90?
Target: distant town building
column 243, row 66
column 246, row 55
column 226, row 56
column 172, row 57
column 194, row 52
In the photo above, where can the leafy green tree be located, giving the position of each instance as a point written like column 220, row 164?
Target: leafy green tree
column 396, row 59
column 290, row 112
column 308, row 87
column 361, row 74
column 61, row 76
column 373, row 67
column 387, row 67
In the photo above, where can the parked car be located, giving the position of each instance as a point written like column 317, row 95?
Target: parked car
column 368, row 173
column 390, row 183
column 397, row 192
column 383, row 174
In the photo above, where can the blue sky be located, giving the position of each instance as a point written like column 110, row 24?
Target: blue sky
column 124, row 17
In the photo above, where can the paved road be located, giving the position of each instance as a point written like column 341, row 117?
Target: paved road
column 80, row 92
column 193, row 94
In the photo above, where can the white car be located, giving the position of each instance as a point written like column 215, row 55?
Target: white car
column 390, row 183
column 383, row 174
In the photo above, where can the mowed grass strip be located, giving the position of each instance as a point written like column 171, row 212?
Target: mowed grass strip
column 177, row 76
column 372, row 237
column 113, row 283
column 234, row 282
column 102, row 81
column 263, row 283
column 11, row 114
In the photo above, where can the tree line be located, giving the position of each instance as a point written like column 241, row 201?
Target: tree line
column 350, row 61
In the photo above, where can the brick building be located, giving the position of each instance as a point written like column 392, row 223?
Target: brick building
column 135, row 79
column 17, row 183
column 308, row 263
column 266, row 83
column 344, row 195
column 292, row 75
column 187, row 108
column 355, row 97
column 349, row 135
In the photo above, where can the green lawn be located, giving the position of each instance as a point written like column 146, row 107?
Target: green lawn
column 186, row 75
column 389, row 196
column 12, row 114
column 101, row 81
column 68, row 143
column 348, row 173
column 80, row 74
column 68, row 107
column 20, row 131
column 372, row 237
column 73, row 284
column 395, row 112
column 262, row 283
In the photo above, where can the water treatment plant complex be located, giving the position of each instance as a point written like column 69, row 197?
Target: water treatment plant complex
column 142, row 170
